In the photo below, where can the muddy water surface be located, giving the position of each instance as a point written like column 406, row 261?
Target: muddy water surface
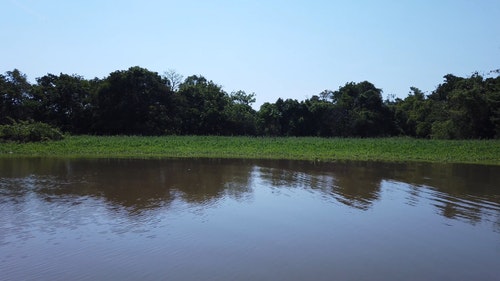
column 198, row 219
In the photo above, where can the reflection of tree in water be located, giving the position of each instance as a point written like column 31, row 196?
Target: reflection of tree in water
column 204, row 181
column 469, row 193
column 136, row 185
column 357, row 185
column 465, row 192
column 353, row 184
column 50, row 194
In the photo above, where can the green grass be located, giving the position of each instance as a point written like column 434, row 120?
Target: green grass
column 317, row 149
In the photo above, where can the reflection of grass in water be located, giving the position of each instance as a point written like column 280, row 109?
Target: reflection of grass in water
column 307, row 148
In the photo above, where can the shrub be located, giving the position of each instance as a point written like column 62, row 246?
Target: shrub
column 26, row 131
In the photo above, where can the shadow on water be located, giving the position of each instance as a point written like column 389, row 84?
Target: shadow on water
column 465, row 192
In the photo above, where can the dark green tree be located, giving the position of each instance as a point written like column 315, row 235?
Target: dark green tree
column 361, row 112
column 294, row 117
column 241, row 117
column 493, row 102
column 134, row 102
column 269, row 120
column 15, row 93
column 411, row 114
column 321, row 117
column 463, row 108
column 284, row 118
column 202, row 105
column 64, row 101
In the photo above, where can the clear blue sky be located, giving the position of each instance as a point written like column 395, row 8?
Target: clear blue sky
column 289, row 49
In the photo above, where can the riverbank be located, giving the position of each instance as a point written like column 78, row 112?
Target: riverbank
column 307, row 148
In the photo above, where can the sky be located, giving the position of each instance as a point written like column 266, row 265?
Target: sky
column 273, row 48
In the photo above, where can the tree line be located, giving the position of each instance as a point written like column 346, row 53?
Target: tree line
column 138, row 101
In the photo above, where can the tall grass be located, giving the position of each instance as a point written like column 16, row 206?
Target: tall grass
column 308, row 148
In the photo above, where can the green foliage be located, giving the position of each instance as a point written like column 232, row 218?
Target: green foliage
column 241, row 117
column 25, row 131
column 322, row 117
column 240, row 97
column 460, row 108
column 362, row 112
column 64, row 101
column 442, row 130
column 136, row 101
column 141, row 102
column 201, row 106
column 410, row 114
column 268, row 120
column 303, row 148
column 14, row 96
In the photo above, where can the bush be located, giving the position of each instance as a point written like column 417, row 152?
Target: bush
column 25, row 131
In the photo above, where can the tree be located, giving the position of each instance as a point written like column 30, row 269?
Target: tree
column 268, row 120
column 134, row 102
column 326, row 95
column 240, row 97
column 463, row 108
column 201, row 106
column 469, row 112
column 492, row 86
column 14, row 94
column 64, row 101
column 411, row 114
column 361, row 111
column 174, row 79
column 320, row 117
column 241, row 117
column 292, row 120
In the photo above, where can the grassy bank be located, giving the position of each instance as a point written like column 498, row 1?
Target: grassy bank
column 321, row 149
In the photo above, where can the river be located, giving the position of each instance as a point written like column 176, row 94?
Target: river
column 209, row 219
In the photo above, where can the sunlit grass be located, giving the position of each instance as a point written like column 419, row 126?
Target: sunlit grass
column 307, row 148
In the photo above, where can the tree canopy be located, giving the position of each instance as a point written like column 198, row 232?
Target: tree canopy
column 138, row 101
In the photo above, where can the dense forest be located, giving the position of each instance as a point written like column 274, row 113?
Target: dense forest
column 141, row 102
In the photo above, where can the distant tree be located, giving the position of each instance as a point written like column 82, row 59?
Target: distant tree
column 134, row 102
column 285, row 118
column 140, row 102
column 269, row 120
column 321, row 117
column 411, row 114
column 64, row 101
column 202, row 106
column 466, row 102
column 293, row 117
column 326, row 95
column 241, row 97
column 15, row 91
column 492, row 86
column 173, row 78
column 241, row 117
column 361, row 111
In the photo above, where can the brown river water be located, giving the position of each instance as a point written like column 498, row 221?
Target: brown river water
column 199, row 219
